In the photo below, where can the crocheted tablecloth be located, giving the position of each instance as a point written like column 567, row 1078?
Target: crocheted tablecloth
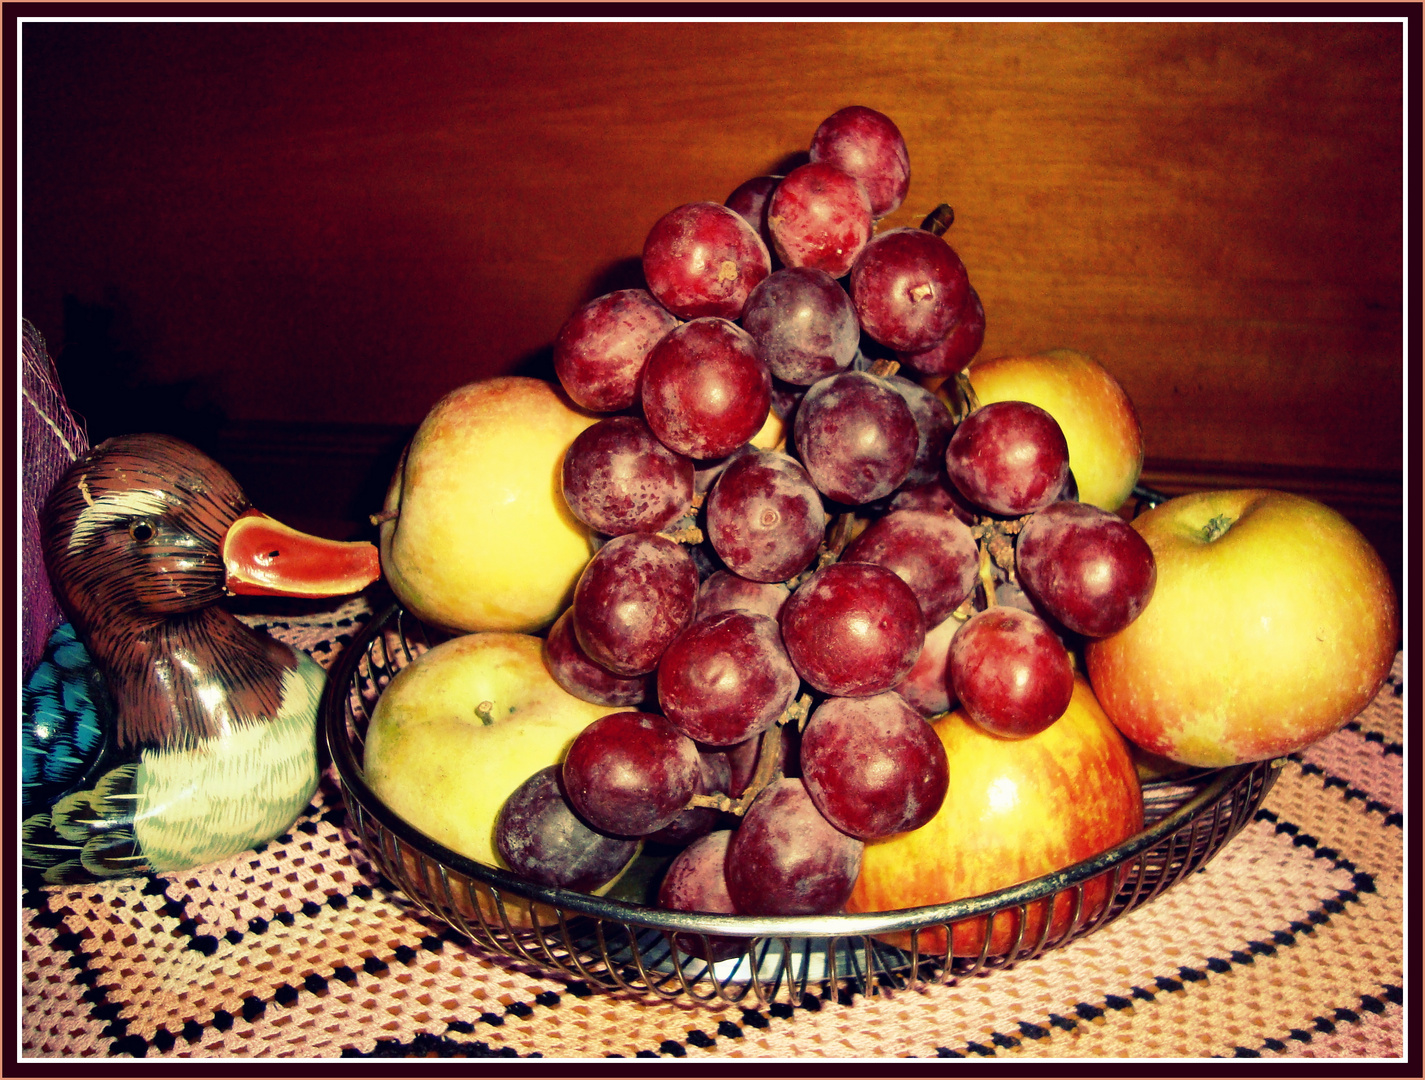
column 1288, row 944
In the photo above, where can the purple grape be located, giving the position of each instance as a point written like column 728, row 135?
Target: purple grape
column 634, row 595
column 601, row 349
column 933, row 426
column 853, row 629
column 750, row 199
column 764, row 517
column 1010, row 672
column 856, row 436
column 908, row 286
column 724, row 590
column 932, row 553
column 787, row 859
column 702, row 259
column 541, row 839
column 630, row 773
column 696, row 881
column 726, row 678
column 869, row 146
column 819, row 216
column 873, row 766
column 571, row 668
column 618, row 478
column 1088, row 568
column 804, row 324
column 1009, row 457
column 705, row 391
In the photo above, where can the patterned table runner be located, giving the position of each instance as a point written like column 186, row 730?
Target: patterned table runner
column 1288, row 944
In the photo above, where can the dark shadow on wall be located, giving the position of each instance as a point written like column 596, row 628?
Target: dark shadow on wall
column 107, row 384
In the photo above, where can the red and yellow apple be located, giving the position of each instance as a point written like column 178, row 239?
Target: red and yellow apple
column 478, row 535
column 1099, row 422
column 1273, row 623
column 1016, row 809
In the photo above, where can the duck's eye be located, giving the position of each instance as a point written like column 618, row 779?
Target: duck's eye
column 141, row 531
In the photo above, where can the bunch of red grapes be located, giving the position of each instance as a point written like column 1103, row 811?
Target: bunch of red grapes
column 759, row 611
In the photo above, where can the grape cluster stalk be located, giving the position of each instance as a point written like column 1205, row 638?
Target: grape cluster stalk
column 807, row 553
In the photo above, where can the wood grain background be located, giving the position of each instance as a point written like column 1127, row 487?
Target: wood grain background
column 290, row 239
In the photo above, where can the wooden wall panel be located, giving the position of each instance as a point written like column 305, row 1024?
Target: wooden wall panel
column 316, row 224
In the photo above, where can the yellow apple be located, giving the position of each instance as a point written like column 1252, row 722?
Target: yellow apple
column 1016, row 809
column 478, row 535
column 1272, row 624
column 462, row 726
column 1099, row 422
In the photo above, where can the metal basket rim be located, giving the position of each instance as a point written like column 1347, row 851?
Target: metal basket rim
column 1214, row 786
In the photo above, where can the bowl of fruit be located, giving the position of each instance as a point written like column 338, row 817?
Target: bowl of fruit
column 780, row 638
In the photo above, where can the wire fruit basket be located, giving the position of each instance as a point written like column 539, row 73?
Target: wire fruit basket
column 616, row 944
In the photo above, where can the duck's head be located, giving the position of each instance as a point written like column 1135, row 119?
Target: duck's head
column 146, row 527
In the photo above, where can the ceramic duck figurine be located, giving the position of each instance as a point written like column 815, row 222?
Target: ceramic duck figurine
column 191, row 737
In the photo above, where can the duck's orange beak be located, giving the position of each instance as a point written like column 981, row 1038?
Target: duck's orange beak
column 266, row 558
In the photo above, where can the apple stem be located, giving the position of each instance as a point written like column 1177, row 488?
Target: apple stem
column 384, row 515
column 486, row 712
column 1215, row 528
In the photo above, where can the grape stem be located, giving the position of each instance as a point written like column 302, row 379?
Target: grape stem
column 769, row 765
column 939, row 220
column 690, row 535
column 987, row 579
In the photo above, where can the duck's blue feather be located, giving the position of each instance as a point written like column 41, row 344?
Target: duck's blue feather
column 66, row 716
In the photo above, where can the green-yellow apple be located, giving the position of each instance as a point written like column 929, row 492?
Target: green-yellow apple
column 462, row 726
column 1099, row 421
column 1016, row 809
column 477, row 534
column 1273, row 623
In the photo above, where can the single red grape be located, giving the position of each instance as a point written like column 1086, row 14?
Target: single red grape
column 726, row 678
column 750, row 199
column 853, row 629
column 630, row 773
column 787, row 859
column 869, row 146
column 940, row 495
column 541, row 839
column 702, row 259
column 723, row 590
column 909, row 287
column 764, row 517
column 569, row 665
column 600, row 350
column 958, row 347
column 618, row 478
column 1010, row 672
column 1009, row 457
column 932, row 553
column 1090, row 569
column 856, row 436
column 819, row 216
column 804, row 324
column 926, row 686
column 873, row 766
column 705, row 391
column 933, row 426
column 634, row 595
column 696, row 881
